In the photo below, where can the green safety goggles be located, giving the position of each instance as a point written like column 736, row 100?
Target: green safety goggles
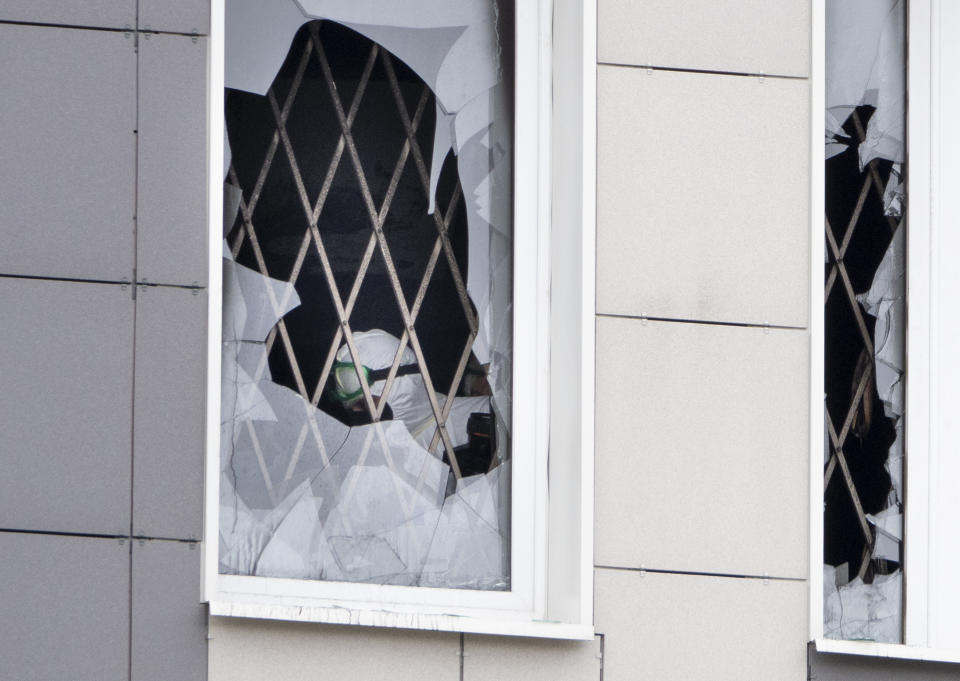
column 347, row 387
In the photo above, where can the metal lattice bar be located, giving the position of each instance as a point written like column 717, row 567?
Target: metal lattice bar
column 373, row 215
column 860, row 400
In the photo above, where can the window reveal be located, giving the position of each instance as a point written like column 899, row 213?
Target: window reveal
column 351, row 331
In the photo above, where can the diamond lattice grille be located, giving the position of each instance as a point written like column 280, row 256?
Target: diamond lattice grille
column 380, row 189
column 857, row 234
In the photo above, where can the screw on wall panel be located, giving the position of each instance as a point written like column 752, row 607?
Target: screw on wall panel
column 766, row 328
column 649, row 70
column 195, row 292
column 122, row 541
column 761, row 77
column 141, row 542
column 643, row 571
column 643, row 320
column 194, row 39
column 766, row 579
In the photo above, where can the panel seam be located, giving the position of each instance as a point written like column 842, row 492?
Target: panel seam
column 696, row 573
column 109, row 282
column 707, row 322
column 106, row 29
column 710, row 72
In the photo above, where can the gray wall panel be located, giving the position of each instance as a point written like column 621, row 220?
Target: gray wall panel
column 66, row 608
column 66, row 365
column 98, row 13
column 172, row 218
column 67, row 121
column 168, row 418
column 169, row 622
column 175, row 16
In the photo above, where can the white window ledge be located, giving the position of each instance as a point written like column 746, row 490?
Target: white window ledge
column 890, row 650
column 414, row 619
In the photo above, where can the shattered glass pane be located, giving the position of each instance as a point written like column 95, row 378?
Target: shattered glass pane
column 367, row 322
column 864, row 320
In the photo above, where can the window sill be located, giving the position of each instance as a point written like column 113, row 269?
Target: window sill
column 387, row 615
column 890, row 650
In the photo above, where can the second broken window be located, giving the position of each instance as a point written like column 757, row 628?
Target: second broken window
column 864, row 320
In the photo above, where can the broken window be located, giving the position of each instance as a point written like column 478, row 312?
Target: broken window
column 366, row 403
column 864, row 320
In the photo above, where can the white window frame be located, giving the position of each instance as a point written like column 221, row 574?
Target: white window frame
column 552, row 506
column 932, row 465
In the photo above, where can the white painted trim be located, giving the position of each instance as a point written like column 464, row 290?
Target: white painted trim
column 815, row 324
column 588, row 306
column 215, row 174
column 891, row 650
column 917, row 414
column 405, row 620
column 544, row 267
column 269, row 591
column 943, row 625
column 530, row 307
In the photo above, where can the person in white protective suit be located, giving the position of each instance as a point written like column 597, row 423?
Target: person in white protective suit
column 408, row 397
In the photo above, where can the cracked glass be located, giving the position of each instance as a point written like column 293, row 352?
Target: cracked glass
column 864, row 320
column 367, row 293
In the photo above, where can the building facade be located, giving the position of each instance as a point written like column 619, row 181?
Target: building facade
column 691, row 152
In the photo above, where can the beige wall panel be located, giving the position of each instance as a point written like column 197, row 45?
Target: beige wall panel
column 701, row 461
column 666, row 627
column 702, row 196
column 255, row 650
column 743, row 36
column 490, row 658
